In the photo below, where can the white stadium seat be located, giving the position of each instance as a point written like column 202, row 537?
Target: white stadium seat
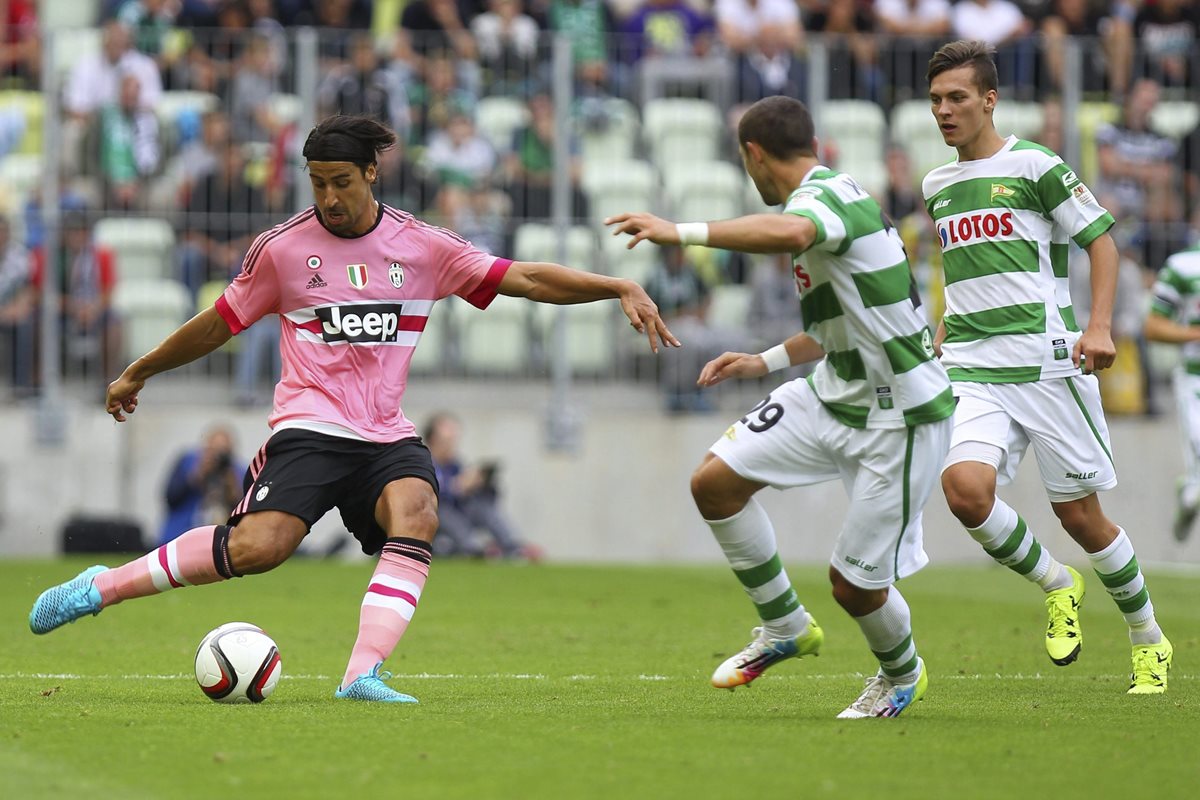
column 149, row 309
column 144, row 247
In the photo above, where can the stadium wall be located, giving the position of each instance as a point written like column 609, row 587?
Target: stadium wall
column 622, row 498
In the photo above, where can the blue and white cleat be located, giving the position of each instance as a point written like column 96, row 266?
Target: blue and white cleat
column 67, row 602
column 371, row 688
column 883, row 698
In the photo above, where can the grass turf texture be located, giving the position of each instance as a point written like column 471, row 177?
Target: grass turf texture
column 581, row 681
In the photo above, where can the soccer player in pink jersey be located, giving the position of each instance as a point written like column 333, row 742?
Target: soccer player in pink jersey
column 353, row 282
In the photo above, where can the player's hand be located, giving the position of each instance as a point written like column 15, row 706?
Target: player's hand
column 643, row 316
column 641, row 225
column 122, row 397
column 1094, row 350
column 732, row 365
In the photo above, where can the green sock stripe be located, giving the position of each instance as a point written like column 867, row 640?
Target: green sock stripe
column 1026, row 565
column 1135, row 603
column 906, row 668
column 1010, row 544
column 780, row 607
column 1122, row 576
column 753, row 577
column 895, row 652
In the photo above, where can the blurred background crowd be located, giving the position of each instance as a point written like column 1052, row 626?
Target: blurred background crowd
column 178, row 125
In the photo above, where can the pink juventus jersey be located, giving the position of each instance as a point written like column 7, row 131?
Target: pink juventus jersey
column 351, row 310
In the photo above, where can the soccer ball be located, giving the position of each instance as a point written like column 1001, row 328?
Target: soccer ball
column 237, row 663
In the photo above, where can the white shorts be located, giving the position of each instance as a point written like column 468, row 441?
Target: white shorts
column 1187, row 396
column 791, row 439
column 1063, row 419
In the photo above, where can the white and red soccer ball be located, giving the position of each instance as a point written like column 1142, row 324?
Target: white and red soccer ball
column 237, row 663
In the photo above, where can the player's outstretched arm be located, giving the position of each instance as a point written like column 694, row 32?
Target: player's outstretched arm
column 552, row 283
column 1162, row 329
column 798, row 349
column 196, row 338
column 756, row 233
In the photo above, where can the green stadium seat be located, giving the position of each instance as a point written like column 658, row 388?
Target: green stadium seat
column 144, row 247
column 498, row 118
column 149, row 309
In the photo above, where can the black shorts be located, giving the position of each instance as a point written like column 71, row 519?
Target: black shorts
column 305, row 474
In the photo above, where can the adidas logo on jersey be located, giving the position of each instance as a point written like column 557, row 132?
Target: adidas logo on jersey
column 364, row 322
column 316, row 282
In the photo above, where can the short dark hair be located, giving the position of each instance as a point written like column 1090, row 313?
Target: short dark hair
column 981, row 56
column 430, row 431
column 780, row 125
column 345, row 137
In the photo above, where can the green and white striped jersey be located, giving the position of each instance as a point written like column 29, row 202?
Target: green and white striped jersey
column 1177, row 297
column 858, row 300
column 1005, row 225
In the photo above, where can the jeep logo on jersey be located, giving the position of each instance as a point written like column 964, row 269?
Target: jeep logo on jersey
column 396, row 274
column 357, row 274
column 362, row 323
column 975, row 226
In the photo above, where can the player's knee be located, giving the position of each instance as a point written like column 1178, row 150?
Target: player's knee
column 259, row 549
column 854, row 599
column 1075, row 519
column 969, row 503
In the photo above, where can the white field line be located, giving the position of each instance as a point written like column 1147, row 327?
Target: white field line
column 524, row 676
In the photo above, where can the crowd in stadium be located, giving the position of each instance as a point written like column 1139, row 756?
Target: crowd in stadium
column 221, row 165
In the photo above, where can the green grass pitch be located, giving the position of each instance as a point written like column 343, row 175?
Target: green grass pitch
column 587, row 681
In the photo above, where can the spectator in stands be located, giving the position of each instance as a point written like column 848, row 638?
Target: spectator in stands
column 468, row 499
column 16, row 310
column 900, row 197
column 915, row 28
column 529, row 166
column 196, row 160
column 1189, row 167
column 849, row 33
column 683, row 299
column 587, row 24
column 204, row 485
column 1051, row 134
column 1105, row 66
column 774, row 314
column 507, row 40
column 20, row 45
column 459, row 154
column 150, row 23
column 360, row 86
column 438, row 28
column 401, row 184
column 667, row 28
column 442, row 94
column 1137, row 174
column 338, row 21
column 1002, row 24
column 1168, row 31
column 223, row 214
column 764, row 36
column 129, row 147
column 253, row 84
column 85, row 275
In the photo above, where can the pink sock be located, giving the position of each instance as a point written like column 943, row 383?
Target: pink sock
column 198, row 556
column 389, row 604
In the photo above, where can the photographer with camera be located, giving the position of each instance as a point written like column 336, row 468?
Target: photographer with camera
column 468, row 500
column 204, row 485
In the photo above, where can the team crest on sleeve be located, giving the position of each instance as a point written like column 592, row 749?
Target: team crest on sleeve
column 357, row 274
column 314, row 262
column 396, row 274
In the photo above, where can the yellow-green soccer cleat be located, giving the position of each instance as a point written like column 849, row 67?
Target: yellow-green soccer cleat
column 762, row 652
column 1151, row 663
column 883, row 698
column 1064, row 637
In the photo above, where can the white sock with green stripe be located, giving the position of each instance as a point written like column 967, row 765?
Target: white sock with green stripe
column 1118, row 569
column 888, row 630
column 1006, row 538
column 748, row 541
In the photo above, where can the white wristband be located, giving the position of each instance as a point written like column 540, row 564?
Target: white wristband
column 692, row 233
column 777, row 358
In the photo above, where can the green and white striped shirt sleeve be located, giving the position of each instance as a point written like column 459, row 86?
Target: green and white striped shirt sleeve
column 831, row 228
column 1071, row 204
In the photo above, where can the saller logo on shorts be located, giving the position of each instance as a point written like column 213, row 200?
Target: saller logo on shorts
column 366, row 322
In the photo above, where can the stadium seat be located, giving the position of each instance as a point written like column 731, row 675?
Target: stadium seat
column 853, row 127
column 705, row 190
column 19, row 176
column 144, row 247
column 1175, row 118
column 682, row 130
column 286, row 108
column 149, row 309
column 729, row 306
column 31, row 108
column 914, row 128
column 536, row 241
column 591, row 343
column 496, row 341
column 431, row 355
column 55, row 15
column 498, row 118
column 616, row 186
column 172, row 104
column 621, row 262
column 613, row 140
column 867, row 169
column 72, row 45
column 1021, row 118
